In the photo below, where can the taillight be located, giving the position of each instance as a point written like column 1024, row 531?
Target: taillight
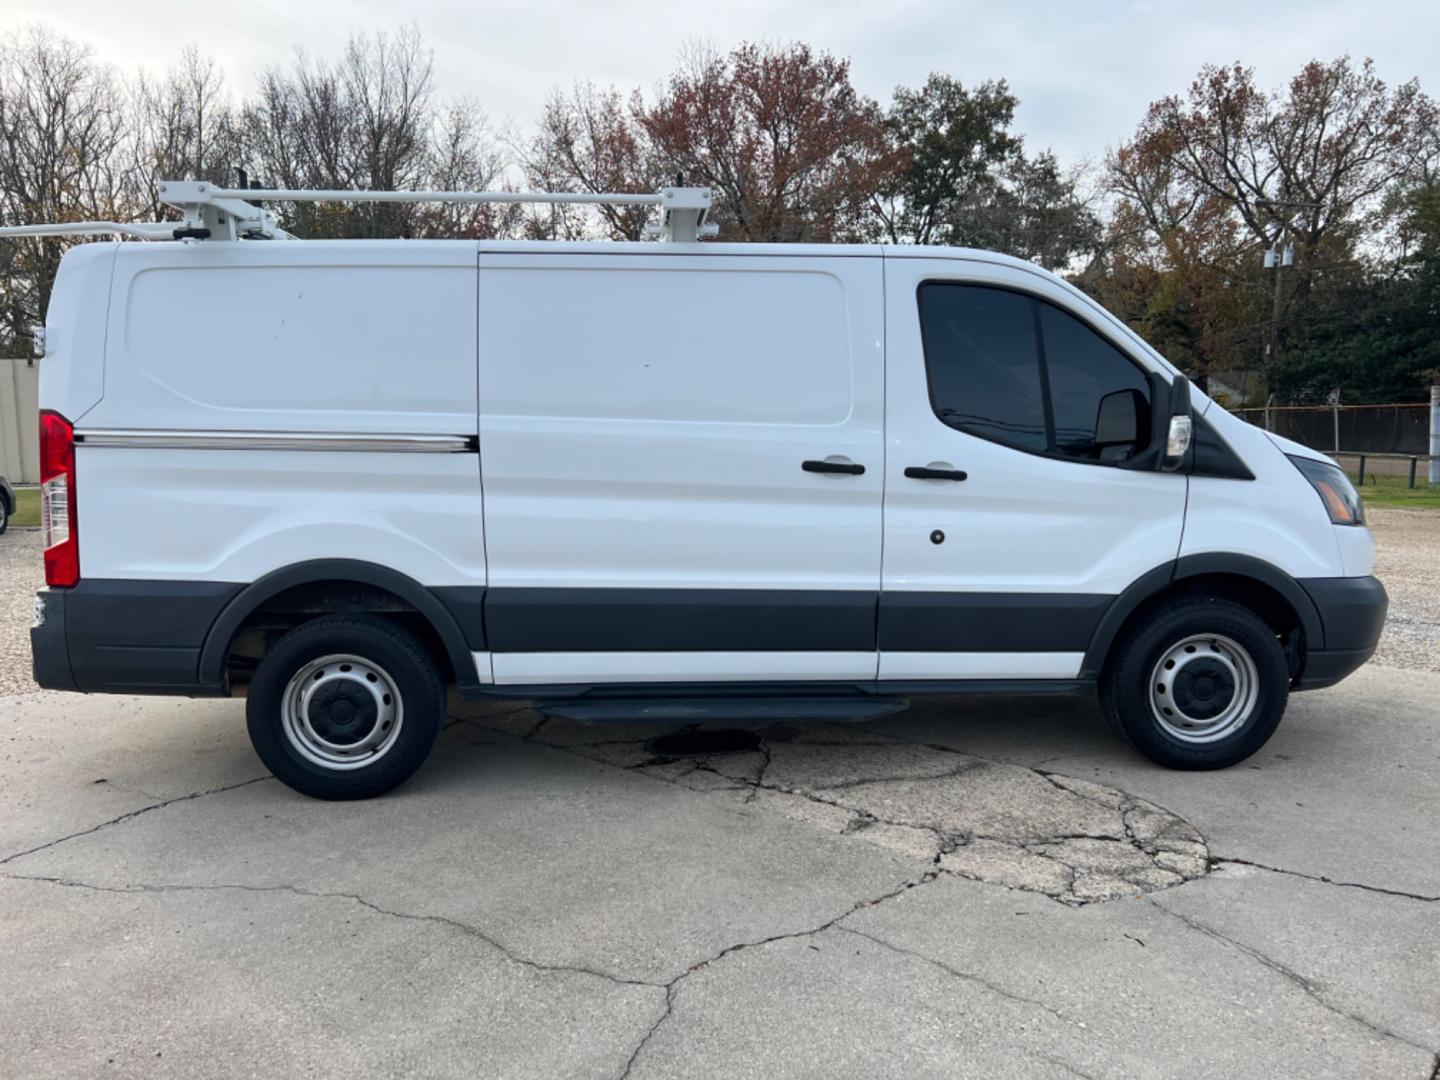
column 57, row 500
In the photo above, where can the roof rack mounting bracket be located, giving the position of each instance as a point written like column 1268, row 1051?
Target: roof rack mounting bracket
column 683, row 213
column 217, row 214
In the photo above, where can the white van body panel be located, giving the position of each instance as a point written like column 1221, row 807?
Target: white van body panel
column 72, row 373
column 324, row 336
column 1357, row 551
column 318, row 339
column 1277, row 517
column 1357, row 546
column 651, row 433
column 237, row 515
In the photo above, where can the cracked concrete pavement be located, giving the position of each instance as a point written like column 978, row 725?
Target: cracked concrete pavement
column 984, row 888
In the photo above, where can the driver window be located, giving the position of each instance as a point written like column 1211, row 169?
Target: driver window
column 1011, row 368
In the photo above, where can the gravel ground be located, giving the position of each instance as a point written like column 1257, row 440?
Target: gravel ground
column 1407, row 560
column 1408, row 563
column 21, row 573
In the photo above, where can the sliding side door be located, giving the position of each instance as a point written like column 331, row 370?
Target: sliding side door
column 682, row 463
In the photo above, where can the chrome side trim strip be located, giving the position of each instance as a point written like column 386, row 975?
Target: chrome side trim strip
column 274, row 440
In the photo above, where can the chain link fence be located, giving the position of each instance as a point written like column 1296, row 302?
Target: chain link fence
column 1378, row 439
column 1354, row 429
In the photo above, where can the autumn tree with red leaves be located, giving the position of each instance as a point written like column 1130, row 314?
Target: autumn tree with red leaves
column 1212, row 178
column 779, row 133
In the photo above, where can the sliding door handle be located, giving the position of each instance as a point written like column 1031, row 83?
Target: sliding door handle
column 849, row 468
column 926, row 472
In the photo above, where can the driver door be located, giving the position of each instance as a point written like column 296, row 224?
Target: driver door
column 1011, row 520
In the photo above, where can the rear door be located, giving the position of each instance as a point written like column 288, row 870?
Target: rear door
column 646, row 421
column 1011, row 521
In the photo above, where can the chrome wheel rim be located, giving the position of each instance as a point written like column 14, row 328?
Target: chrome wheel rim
column 1203, row 688
column 342, row 712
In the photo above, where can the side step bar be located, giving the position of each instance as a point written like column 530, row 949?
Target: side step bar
column 731, row 710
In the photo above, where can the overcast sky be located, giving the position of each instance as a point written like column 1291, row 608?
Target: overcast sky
column 1084, row 71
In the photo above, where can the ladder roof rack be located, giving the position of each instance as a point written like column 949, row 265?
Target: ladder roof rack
column 218, row 213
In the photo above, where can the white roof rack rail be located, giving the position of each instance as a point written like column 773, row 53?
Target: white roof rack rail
column 216, row 213
column 163, row 230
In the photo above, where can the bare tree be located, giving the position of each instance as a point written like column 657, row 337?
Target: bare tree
column 365, row 122
column 589, row 141
column 184, row 128
column 463, row 156
column 61, row 128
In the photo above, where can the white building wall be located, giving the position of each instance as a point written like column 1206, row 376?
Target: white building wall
column 19, row 421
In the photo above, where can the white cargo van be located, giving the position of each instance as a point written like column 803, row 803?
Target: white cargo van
column 660, row 480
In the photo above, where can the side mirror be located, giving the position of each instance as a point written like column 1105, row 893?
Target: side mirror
column 1117, row 421
column 1179, row 428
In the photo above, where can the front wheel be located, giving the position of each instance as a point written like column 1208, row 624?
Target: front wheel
column 1200, row 683
column 345, row 707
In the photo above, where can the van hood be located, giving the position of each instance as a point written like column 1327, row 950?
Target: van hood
column 1290, row 446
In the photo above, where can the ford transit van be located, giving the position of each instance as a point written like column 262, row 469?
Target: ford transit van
column 701, row 481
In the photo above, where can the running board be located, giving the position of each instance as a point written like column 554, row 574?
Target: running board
column 720, row 709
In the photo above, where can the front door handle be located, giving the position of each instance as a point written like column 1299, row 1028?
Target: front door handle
column 926, row 472
column 849, row 468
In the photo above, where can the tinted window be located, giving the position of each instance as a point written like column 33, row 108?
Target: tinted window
column 1083, row 369
column 989, row 354
column 983, row 363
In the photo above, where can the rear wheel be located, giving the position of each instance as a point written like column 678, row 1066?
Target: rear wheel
column 1200, row 683
column 345, row 707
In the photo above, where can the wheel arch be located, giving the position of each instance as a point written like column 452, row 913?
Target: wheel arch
column 447, row 629
column 1259, row 585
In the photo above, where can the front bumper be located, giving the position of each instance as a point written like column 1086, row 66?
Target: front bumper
column 1352, row 613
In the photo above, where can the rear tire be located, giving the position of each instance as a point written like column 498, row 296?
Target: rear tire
column 1200, row 683
column 345, row 707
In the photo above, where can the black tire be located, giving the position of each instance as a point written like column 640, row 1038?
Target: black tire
column 4, row 516
column 374, row 656
column 1126, row 688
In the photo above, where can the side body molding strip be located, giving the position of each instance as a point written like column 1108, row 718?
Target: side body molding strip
column 138, row 439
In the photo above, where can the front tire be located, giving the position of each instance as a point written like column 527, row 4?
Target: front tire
column 345, row 707
column 1200, row 683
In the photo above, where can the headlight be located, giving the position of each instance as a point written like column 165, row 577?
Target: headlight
column 1342, row 501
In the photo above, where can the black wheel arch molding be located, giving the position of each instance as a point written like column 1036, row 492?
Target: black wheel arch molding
column 457, row 620
column 1340, row 618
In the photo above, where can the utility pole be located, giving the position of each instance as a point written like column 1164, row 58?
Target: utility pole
column 1434, row 435
column 1278, row 256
